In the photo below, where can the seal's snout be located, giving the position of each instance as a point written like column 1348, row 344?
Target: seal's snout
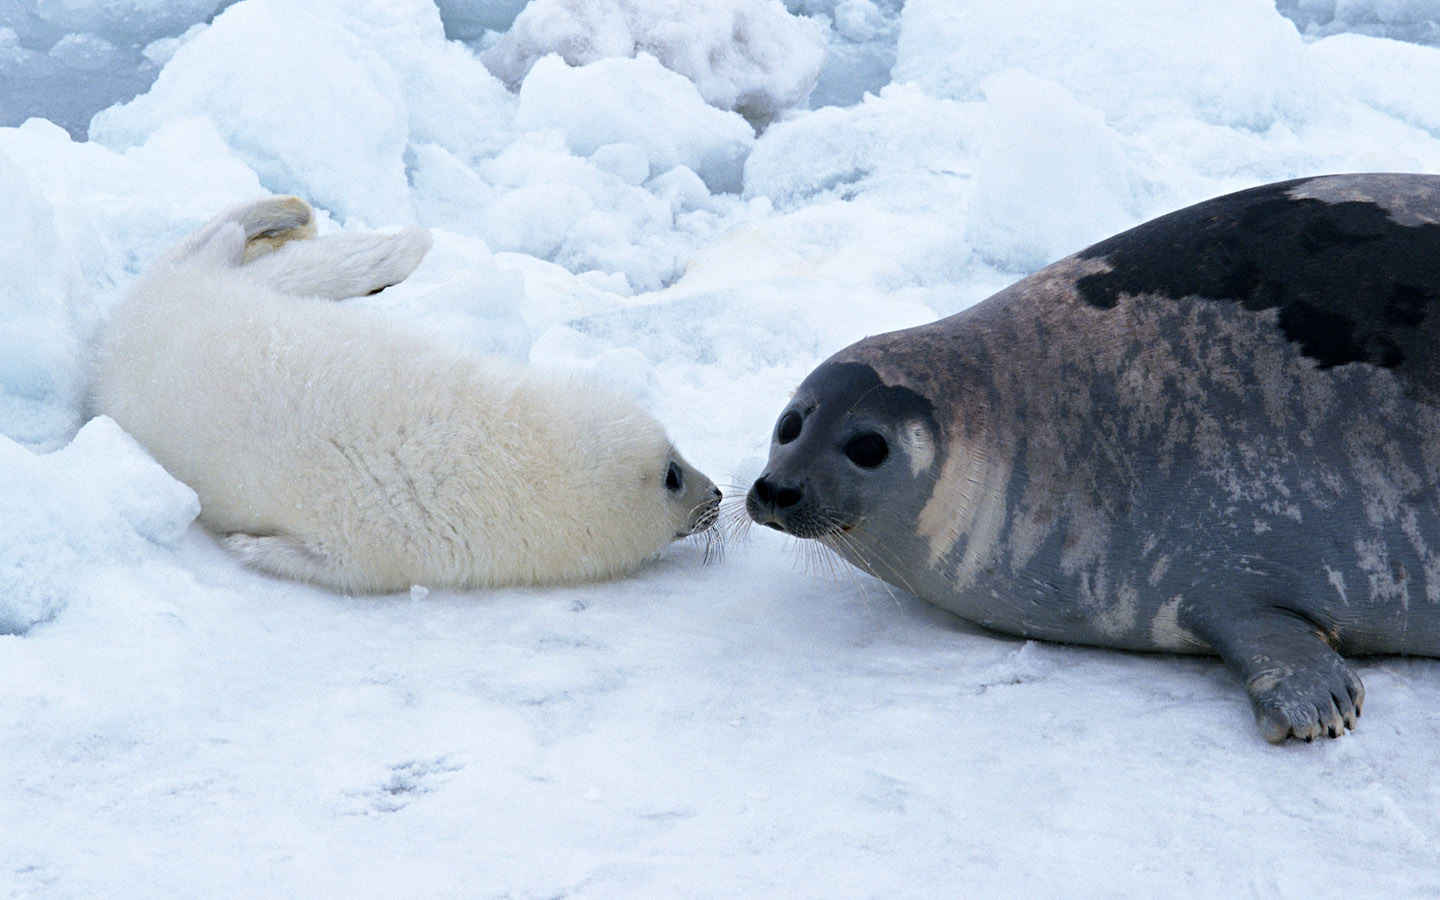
column 708, row 512
column 705, row 515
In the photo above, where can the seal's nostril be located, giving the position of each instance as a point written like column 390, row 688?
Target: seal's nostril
column 787, row 497
column 716, row 493
column 762, row 490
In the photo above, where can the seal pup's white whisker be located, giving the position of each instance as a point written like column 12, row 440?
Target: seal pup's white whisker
column 713, row 540
column 734, row 521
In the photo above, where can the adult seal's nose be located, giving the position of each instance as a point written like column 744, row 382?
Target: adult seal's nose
column 770, row 496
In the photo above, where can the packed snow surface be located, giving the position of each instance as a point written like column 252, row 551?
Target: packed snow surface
column 707, row 208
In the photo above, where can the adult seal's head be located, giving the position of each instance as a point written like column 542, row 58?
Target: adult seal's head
column 1215, row 433
column 846, row 451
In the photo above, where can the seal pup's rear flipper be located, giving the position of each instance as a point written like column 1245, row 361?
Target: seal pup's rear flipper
column 249, row 231
column 342, row 265
column 1298, row 685
column 273, row 223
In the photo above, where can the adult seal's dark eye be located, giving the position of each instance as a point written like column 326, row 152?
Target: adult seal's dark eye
column 789, row 427
column 867, row 450
column 674, row 479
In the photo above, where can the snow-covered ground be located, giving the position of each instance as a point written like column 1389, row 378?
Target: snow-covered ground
column 708, row 206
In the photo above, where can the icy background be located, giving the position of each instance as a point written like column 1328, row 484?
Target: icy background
column 717, row 197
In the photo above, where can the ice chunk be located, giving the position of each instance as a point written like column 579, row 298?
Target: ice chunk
column 1052, row 176
column 101, row 500
column 681, row 188
column 597, row 216
column 41, row 380
column 85, row 52
column 460, row 296
column 69, row 256
column 448, row 192
column 451, row 98
column 901, row 133
column 1230, row 62
column 117, row 211
column 344, row 88
column 539, row 198
column 160, row 51
column 751, row 56
column 318, row 113
column 640, row 102
column 1396, row 79
column 624, row 160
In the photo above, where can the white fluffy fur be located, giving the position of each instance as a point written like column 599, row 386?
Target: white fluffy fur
column 331, row 447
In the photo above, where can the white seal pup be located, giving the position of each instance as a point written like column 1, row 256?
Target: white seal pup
column 327, row 445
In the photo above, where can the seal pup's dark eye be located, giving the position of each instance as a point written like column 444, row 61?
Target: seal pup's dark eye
column 867, row 450
column 674, row 479
column 789, row 427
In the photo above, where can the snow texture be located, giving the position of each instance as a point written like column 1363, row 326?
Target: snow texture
column 314, row 141
column 775, row 724
column 751, row 56
column 618, row 101
column 101, row 501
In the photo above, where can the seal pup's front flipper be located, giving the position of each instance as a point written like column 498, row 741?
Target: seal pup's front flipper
column 1299, row 686
column 342, row 265
column 286, row 557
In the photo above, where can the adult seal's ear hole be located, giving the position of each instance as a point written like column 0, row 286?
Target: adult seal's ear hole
column 1213, row 433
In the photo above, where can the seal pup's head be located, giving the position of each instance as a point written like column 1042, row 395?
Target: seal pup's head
column 693, row 499
column 603, row 486
column 846, row 447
